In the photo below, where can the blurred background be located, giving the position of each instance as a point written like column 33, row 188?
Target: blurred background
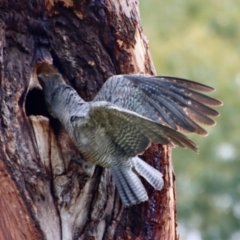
column 200, row 40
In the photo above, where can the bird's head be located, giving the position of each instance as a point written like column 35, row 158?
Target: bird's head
column 50, row 80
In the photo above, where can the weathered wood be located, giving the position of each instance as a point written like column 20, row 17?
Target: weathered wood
column 45, row 195
column 15, row 222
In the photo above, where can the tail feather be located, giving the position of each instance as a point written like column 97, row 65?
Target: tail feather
column 130, row 187
column 153, row 176
column 117, row 179
column 134, row 184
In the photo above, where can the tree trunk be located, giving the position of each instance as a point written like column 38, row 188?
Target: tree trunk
column 45, row 195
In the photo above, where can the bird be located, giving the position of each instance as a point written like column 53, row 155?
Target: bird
column 130, row 112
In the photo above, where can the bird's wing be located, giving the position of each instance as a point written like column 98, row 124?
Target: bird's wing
column 175, row 102
column 131, row 132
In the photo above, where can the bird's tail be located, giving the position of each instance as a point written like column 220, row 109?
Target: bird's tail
column 153, row 176
column 130, row 187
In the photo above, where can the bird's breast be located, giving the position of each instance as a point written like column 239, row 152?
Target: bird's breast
column 90, row 138
column 96, row 145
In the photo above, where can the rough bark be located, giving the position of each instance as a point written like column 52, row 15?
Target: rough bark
column 45, row 195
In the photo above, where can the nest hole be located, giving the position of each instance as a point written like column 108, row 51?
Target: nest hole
column 35, row 103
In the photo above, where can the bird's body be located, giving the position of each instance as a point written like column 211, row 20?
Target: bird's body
column 123, row 120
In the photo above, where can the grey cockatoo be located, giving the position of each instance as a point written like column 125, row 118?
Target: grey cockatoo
column 127, row 115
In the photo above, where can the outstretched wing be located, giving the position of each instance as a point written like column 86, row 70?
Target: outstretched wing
column 175, row 102
column 131, row 132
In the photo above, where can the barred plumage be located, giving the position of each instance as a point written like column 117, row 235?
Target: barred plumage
column 127, row 115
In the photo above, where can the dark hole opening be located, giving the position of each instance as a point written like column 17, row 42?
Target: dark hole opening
column 35, row 103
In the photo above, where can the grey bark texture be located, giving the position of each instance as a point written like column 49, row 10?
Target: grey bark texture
column 44, row 194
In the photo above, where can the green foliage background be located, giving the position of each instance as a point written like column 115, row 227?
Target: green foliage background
column 200, row 40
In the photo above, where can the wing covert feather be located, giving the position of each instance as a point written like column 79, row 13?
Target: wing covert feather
column 135, row 132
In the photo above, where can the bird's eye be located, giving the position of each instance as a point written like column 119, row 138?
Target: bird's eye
column 72, row 118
